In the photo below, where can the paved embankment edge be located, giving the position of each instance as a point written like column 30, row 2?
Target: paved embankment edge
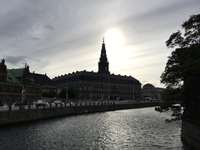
column 21, row 116
column 190, row 135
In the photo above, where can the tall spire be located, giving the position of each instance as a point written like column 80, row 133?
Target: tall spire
column 103, row 61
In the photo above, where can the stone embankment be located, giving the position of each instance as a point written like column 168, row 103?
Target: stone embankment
column 190, row 135
column 27, row 115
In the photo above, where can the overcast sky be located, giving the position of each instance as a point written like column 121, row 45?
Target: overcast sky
column 62, row 36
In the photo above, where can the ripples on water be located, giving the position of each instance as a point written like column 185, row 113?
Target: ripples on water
column 135, row 129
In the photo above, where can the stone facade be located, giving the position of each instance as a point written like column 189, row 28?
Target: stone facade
column 9, row 93
column 21, row 86
column 95, row 86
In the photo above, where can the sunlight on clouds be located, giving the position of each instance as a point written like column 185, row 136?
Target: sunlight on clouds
column 71, row 61
column 116, row 48
column 114, row 37
column 141, row 60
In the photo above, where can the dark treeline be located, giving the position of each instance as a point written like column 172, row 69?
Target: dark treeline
column 182, row 78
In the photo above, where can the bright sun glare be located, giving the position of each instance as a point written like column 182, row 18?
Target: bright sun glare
column 115, row 45
column 114, row 38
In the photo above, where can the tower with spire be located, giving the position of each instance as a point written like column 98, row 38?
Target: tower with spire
column 103, row 61
column 3, row 71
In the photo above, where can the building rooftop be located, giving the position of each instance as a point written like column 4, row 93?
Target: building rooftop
column 86, row 75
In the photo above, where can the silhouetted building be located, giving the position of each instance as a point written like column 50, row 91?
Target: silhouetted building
column 3, row 71
column 151, row 93
column 41, row 82
column 45, row 84
column 103, row 61
column 9, row 91
column 21, row 86
column 99, row 85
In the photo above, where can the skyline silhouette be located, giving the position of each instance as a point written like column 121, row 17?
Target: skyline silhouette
column 61, row 37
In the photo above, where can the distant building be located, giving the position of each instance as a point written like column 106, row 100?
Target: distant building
column 47, row 88
column 40, row 82
column 101, row 85
column 21, row 86
column 151, row 93
column 3, row 71
column 9, row 91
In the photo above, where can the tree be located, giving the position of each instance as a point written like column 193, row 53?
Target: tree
column 182, row 71
column 171, row 95
column 190, row 35
column 173, row 74
column 180, row 62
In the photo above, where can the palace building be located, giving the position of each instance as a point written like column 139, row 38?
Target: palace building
column 101, row 85
column 22, row 86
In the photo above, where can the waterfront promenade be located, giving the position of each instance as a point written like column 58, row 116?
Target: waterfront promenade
column 33, row 112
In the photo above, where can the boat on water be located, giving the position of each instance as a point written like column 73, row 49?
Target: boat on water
column 177, row 112
column 160, row 109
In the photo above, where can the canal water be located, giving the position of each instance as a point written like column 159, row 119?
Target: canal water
column 133, row 129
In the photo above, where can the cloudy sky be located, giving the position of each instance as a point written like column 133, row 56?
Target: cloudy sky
column 58, row 37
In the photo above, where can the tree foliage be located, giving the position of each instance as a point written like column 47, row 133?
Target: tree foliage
column 171, row 95
column 173, row 74
column 186, row 54
column 189, row 36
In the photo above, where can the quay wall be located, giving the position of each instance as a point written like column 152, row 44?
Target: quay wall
column 190, row 135
column 27, row 115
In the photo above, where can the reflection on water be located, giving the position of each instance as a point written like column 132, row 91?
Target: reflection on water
column 138, row 129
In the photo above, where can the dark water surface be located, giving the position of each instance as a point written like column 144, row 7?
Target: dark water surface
column 134, row 129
